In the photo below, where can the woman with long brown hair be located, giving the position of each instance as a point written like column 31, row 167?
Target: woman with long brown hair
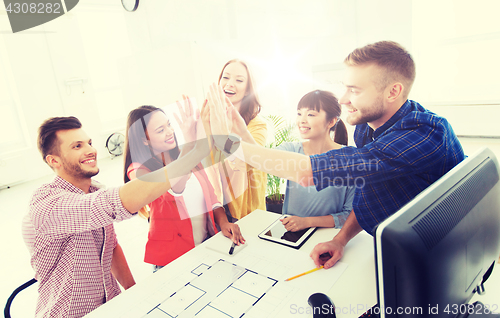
column 243, row 187
column 188, row 213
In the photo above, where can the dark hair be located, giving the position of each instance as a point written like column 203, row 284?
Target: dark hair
column 323, row 100
column 250, row 104
column 391, row 56
column 47, row 138
column 136, row 132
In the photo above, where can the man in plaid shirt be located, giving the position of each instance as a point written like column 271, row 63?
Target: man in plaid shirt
column 69, row 226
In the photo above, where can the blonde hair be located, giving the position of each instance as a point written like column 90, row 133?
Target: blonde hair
column 394, row 59
column 144, row 212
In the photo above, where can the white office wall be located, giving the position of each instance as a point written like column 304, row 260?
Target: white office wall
column 456, row 47
column 98, row 61
column 71, row 65
column 42, row 65
column 290, row 45
column 34, row 95
column 276, row 38
column 65, row 67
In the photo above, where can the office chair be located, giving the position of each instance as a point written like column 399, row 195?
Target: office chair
column 6, row 311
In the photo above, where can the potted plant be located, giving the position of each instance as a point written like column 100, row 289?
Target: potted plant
column 283, row 132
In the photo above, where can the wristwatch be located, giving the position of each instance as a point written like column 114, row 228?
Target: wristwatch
column 229, row 144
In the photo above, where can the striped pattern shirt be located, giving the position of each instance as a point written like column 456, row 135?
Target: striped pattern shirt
column 392, row 164
column 70, row 237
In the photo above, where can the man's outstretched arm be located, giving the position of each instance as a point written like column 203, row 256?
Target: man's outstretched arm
column 284, row 164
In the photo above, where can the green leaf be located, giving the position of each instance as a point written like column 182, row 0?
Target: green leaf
column 283, row 132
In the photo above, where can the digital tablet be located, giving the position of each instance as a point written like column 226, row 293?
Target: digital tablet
column 277, row 233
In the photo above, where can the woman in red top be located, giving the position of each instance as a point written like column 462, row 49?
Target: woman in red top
column 188, row 213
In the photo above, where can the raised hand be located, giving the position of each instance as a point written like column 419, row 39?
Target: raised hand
column 239, row 127
column 205, row 117
column 220, row 122
column 186, row 121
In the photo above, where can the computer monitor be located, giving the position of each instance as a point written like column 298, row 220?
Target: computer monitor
column 432, row 254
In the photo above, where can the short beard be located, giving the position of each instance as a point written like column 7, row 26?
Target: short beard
column 376, row 111
column 77, row 171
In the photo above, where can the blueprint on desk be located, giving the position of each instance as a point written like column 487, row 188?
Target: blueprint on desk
column 222, row 289
column 209, row 282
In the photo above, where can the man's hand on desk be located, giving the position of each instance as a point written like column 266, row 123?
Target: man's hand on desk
column 334, row 251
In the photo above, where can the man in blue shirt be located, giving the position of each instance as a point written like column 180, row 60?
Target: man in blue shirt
column 401, row 147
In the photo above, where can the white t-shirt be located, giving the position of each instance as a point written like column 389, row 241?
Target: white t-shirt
column 196, row 208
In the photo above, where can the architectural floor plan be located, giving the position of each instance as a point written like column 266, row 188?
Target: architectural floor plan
column 222, row 289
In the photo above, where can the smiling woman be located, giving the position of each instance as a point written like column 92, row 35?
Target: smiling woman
column 319, row 124
column 243, row 187
column 187, row 214
column 238, row 85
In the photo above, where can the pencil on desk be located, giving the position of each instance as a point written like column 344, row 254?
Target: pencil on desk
column 312, row 270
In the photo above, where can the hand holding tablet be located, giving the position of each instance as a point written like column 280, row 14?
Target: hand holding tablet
column 278, row 233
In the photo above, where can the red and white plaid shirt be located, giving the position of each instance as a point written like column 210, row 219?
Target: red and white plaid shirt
column 71, row 238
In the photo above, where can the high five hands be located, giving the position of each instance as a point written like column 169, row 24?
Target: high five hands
column 187, row 122
column 218, row 117
column 224, row 117
column 221, row 110
column 193, row 126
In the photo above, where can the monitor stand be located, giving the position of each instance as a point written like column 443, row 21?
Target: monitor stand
column 481, row 310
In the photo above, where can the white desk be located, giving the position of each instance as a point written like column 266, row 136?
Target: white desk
column 354, row 291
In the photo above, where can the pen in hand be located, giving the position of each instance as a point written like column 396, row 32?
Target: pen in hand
column 231, row 250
